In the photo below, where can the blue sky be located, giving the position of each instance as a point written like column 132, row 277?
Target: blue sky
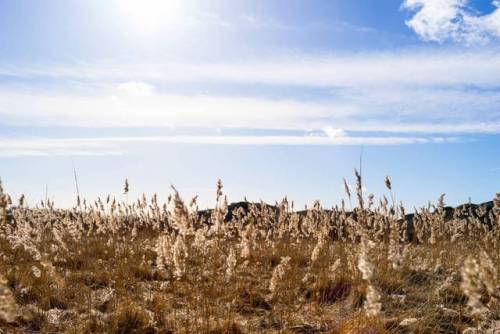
column 274, row 97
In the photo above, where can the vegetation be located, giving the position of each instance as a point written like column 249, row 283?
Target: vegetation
column 147, row 267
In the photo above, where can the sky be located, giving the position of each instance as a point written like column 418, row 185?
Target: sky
column 275, row 97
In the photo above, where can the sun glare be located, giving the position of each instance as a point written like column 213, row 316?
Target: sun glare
column 152, row 14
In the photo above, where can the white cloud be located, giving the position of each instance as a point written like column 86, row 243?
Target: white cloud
column 410, row 68
column 442, row 20
column 334, row 132
column 419, row 92
column 119, row 145
column 391, row 111
column 416, row 127
column 327, row 131
column 135, row 88
column 56, row 147
column 156, row 110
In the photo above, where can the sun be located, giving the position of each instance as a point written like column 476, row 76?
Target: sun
column 151, row 14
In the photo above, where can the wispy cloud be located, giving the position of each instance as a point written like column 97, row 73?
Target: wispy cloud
column 457, row 128
column 132, row 110
column 409, row 68
column 442, row 20
column 260, row 22
column 399, row 92
column 121, row 145
column 140, row 106
column 135, row 88
column 57, row 147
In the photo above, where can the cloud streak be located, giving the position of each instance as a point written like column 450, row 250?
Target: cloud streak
column 400, row 92
column 409, row 111
column 19, row 147
column 422, row 68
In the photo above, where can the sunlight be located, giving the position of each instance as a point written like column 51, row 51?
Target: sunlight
column 151, row 14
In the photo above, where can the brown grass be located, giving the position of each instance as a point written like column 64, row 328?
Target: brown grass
column 104, row 268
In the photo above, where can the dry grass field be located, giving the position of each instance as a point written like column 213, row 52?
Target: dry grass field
column 114, row 266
